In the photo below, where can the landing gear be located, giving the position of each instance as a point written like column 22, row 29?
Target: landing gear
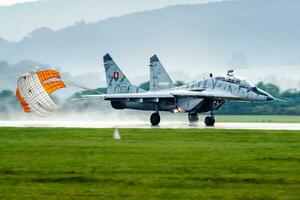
column 193, row 118
column 155, row 119
column 210, row 121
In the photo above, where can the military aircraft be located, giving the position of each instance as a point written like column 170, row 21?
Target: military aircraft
column 204, row 96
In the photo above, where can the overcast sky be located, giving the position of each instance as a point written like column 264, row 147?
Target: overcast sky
column 11, row 2
column 41, row 14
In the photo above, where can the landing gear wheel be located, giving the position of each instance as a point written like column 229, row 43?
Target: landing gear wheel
column 193, row 118
column 155, row 119
column 210, row 121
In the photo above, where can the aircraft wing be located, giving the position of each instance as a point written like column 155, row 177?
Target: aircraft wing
column 148, row 95
column 218, row 94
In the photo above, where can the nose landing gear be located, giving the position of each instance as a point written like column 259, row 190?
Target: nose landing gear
column 210, row 121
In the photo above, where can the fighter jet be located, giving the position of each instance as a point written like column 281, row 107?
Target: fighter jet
column 204, row 96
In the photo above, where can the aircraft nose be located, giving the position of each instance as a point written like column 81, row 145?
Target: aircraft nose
column 270, row 98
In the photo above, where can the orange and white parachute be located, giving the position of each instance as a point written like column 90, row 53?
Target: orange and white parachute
column 34, row 89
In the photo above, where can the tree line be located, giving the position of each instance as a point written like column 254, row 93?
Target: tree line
column 290, row 104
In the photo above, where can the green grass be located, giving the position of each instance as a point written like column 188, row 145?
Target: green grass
column 259, row 118
column 149, row 164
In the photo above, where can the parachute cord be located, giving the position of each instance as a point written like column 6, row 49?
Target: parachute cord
column 75, row 85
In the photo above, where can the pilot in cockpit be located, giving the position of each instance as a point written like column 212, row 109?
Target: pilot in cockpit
column 230, row 77
column 236, row 80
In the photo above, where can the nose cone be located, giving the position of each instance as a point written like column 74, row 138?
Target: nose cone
column 264, row 93
column 270, row 98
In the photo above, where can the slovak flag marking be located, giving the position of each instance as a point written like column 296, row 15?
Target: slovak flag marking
column 116, row 76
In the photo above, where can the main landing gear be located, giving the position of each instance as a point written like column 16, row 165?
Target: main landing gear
column 155, row 119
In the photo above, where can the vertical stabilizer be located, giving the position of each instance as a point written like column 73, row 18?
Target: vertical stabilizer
column 117, row 82
column 159, row 78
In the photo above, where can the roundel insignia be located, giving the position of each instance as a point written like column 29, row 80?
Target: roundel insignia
column 116, row 76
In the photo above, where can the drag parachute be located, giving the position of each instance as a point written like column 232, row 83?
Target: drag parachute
column 34, row 89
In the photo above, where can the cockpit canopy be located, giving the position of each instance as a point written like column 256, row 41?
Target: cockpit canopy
column 230, row 78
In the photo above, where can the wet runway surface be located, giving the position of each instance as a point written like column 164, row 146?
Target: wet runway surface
column 169, row 125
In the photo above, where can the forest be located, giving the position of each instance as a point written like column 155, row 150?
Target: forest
column 289, row 103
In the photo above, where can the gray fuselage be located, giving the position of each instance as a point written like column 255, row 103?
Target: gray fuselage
column 233, row 90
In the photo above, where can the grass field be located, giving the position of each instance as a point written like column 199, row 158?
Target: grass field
column 259, row 118
column 149, row 164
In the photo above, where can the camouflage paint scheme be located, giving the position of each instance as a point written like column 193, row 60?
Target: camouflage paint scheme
column 198, row 97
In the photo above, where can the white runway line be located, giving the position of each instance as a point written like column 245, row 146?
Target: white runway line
column 169, row 125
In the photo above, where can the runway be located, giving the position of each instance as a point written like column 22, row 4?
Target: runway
column 146, row 125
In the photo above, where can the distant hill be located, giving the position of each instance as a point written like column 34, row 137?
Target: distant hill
column 189, row 39
column 18, row 20
column 9, row 73
column 250, row 32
